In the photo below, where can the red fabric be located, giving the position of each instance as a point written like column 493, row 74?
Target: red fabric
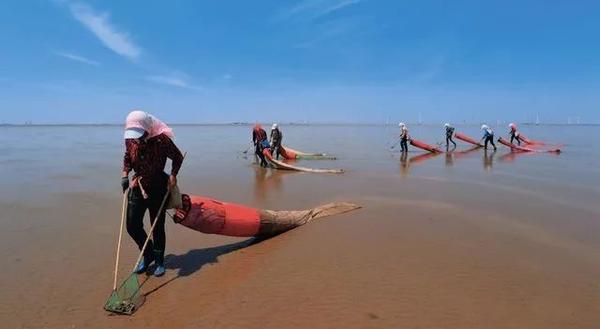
column 148, row 159
column 516, row 147
column 526, row 149
column 240, row 220
column 466, row 139
column 424, row 146
column 267, row 154
column 529, row 141
column 215, row 217
column 287, row 154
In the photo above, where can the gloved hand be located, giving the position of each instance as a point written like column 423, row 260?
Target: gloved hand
column 125, row 183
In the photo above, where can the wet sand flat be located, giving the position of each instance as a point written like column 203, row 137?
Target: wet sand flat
column 469, row 240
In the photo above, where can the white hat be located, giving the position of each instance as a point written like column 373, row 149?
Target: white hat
column 136, row 124
column 484, row 127
column 401, row 124
column 447, row 125
column 133, row 133
column 274, row 126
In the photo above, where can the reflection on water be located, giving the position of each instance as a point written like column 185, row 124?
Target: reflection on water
column 451, row 149
column 268, row 180
column 488, row 159
column 450, row 158
column 466, row 152
column 512, row 156
column 406, row 162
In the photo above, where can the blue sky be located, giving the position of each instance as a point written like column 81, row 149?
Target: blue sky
column 315, row 60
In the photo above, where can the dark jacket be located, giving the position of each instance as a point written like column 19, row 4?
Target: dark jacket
column 258, row 135
column 276, row 137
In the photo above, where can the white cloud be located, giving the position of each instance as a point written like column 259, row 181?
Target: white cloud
column 102, row 28
column 77, row 58
column 337, row 6
column 174, row 81
column 331, row 30
column 312, row 9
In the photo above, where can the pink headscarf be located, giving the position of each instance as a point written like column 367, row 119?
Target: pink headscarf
column 143, row 120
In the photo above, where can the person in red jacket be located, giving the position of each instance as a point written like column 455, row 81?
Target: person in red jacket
column 514, row 134
column 148, row 144
column 259, row 138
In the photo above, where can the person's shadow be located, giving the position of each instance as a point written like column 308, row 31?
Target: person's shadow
column 192, row 261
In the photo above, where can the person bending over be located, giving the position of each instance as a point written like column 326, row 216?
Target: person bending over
column 403, row 137
column 488, row 136
column 514, row 134
column 449, row 135
column 148, row 144
column 259, row 137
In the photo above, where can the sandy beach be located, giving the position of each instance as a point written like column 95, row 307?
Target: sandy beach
column 465, row 240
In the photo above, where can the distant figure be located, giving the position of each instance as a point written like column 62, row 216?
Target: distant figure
column 514, row 134
column 403, row 137
column 488, row 136
column 449, row 135
column 275, row 141
column 148, row 144
column 259, row 138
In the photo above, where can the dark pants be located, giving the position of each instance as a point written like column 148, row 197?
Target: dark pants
column 404, row 145
column 490, row 139
column 449, row 140
column 276, row 150
column 137, row 206
column 259, row 153
column 513, row 137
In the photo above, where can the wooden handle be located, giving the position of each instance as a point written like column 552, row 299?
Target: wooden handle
column 123, row 214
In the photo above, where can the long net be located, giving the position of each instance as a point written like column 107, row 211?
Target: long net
column 127, row 298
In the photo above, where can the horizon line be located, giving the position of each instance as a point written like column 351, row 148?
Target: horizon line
column 31, row 124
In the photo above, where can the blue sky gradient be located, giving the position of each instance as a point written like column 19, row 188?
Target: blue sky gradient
column 349, row 61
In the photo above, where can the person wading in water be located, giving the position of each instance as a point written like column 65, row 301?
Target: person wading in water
column 449, row 135
column 276, row 137
column 403, row 137
column 488, row 136
column 259, row 138
column 148, row 144
column 514, row 134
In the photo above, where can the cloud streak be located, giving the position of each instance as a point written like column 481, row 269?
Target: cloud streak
column 332, row 30
column 99, row 24
column 77, row 58
column 313, row 9
column 337, row 6
column 173, row 81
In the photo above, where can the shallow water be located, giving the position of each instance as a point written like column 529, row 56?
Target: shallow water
column 462, row 240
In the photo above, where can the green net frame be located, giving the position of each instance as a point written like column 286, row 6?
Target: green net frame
column 127, row 298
